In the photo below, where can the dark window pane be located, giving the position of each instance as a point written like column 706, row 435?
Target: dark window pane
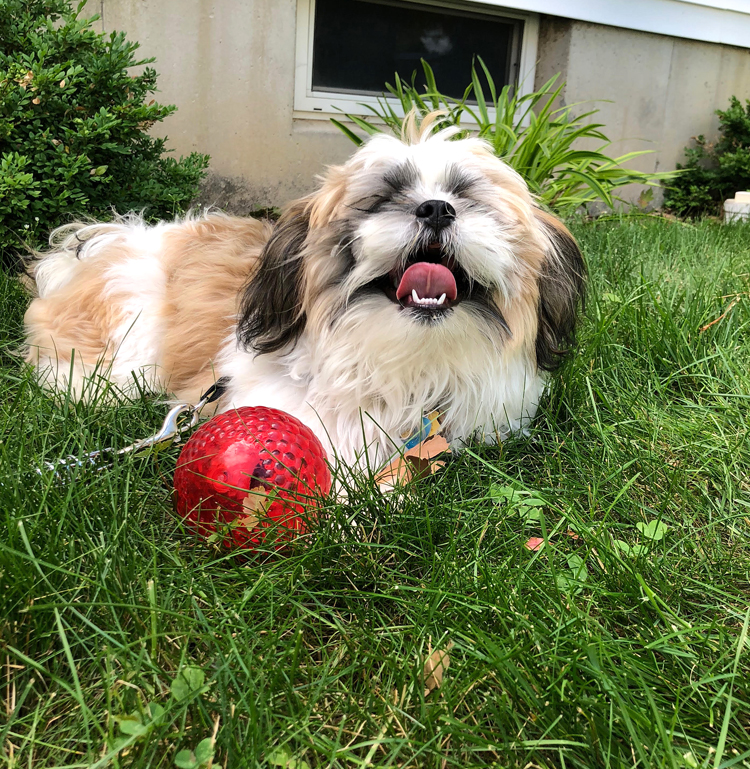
column 359, row 44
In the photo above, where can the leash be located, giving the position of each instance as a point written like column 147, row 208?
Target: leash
column 183, row 417
column 180, row 418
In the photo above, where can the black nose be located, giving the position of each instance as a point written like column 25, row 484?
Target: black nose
column 436, row 213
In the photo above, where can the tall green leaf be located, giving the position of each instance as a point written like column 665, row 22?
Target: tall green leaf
column 534, row 136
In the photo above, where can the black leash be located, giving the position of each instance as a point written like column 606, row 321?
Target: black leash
column 215, row 391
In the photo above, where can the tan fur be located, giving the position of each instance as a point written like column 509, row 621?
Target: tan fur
column 521, row 314
column 79, row 319
column 553, row 222
column 324, row 205
column 414, row 130
column 208, row 263
column 521, row 317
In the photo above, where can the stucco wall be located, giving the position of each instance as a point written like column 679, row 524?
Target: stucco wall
column 229, row 67
column 663, row 90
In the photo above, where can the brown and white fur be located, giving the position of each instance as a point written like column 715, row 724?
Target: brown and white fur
column 307, row 315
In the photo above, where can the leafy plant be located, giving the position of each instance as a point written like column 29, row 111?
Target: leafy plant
column 714, row 172
column 74, row 126
column 138, row 726
column 528, row 132
column 653, row 530
column 193, row 759
column 572, row 577
column 527, row 503
column 283, row 757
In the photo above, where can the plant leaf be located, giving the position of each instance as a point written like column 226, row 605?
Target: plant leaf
column 204, row 751
column 500, row 495
column 201, row 756
column 255, row 506
column 529, row 513
column 131, row 725
column 187, row 682
column 279, row 757
column 415, row 463
column 653, row 530
column 364, row 125
column 118, row 743
column 186, row 759
column 347, row 132
column 623, row 547
column 156, row 712
column 578, row 567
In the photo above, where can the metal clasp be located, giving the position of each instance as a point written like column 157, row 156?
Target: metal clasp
column 172, row 428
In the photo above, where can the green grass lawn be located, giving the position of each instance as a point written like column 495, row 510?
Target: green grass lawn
column 623, row 641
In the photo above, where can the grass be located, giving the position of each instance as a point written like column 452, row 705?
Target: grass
column 622, row 642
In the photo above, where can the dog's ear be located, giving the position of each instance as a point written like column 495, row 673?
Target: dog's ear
column 562, row 287
column 271, row 312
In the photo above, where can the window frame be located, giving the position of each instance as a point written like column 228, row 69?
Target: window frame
column 326, row 104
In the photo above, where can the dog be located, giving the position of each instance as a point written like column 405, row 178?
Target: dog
column 421, row 276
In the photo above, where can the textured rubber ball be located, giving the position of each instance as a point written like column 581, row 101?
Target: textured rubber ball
column 252, row 476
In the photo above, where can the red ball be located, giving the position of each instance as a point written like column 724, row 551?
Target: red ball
column 251, row 476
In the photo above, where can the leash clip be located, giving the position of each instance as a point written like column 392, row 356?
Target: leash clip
column 171, row 430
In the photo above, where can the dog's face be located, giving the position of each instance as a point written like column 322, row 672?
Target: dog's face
column 430, row 226
column 435, row 234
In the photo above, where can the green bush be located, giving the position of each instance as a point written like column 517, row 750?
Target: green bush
column 714, row 172
column 527, row 132
column 74, row 127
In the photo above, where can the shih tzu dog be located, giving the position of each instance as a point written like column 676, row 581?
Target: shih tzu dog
column 421, row 276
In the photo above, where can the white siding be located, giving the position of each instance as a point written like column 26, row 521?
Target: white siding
column 712, row 21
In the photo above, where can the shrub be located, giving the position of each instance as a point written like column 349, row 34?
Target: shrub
column 527, row 132
column 74, row 127
column 714, row 172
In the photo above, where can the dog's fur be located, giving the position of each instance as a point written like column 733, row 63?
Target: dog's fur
column 303, row 315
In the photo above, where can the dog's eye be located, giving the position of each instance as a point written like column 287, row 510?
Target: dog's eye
column 370, row 205
column 459, row 182
column 402, row 177
column 376, row 203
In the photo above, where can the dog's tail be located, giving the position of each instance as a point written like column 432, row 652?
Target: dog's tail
column 45, row 272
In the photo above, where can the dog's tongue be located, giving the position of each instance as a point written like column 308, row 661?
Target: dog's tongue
column 430, row 281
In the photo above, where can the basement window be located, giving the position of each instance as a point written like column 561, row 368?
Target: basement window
column 348, row 49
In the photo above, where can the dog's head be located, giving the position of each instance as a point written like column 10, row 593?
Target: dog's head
column 431, row 233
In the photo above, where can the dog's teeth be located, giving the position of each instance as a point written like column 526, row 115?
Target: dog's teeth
column 427, row 301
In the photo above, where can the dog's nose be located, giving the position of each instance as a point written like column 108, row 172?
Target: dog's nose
column 436, row 213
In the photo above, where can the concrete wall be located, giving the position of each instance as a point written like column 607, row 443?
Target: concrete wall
column 663, row 90
column 229, row 67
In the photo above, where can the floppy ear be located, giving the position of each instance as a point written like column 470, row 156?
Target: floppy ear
column 562, row 286
column 271, row 314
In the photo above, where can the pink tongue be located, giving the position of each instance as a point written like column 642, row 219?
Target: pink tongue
column 430, row 281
